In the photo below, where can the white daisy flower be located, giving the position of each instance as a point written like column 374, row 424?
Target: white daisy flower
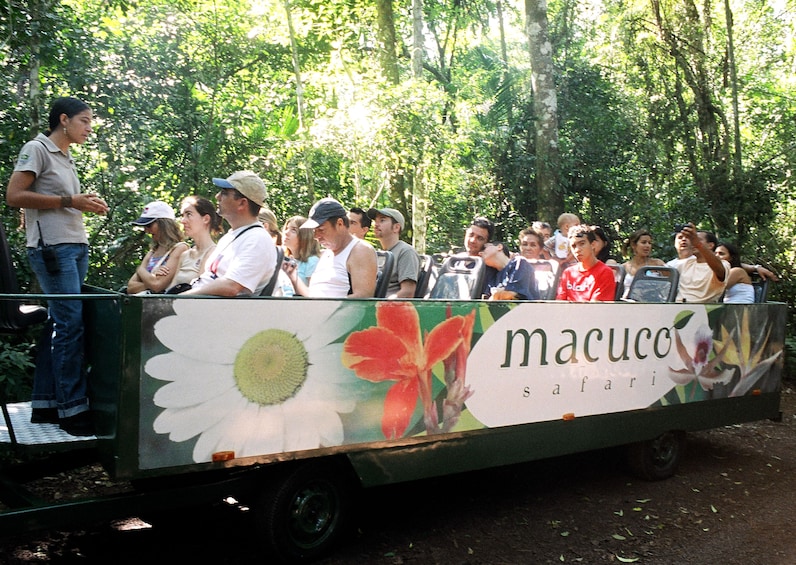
column 271, row 382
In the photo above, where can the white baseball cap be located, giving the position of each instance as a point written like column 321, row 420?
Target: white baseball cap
column 153, row 211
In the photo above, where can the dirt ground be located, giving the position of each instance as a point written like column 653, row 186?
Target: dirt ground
column 732, row 501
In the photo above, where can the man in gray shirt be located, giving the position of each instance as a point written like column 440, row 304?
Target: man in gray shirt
column 388, row 223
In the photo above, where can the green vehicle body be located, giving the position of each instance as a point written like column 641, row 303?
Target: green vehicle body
column 197, row 397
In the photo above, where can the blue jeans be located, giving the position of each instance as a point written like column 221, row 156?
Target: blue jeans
column 58, row 380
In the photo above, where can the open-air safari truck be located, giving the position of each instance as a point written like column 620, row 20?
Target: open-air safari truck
column 289, row 404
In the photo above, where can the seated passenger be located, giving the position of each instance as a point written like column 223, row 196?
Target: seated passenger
column 532, row 244
column 167, row 247
column 388, row 223
column 477, row 236
column 703, row 276
column 245, row 258
column 300, row 244
column 201, row 223
column 268, row 219
column 602, row 246
column 739, row 289
column 348, row 265
column 542, row 228
column 589, row 280
column 358, row 222
column 640, row 244
column 513, row 279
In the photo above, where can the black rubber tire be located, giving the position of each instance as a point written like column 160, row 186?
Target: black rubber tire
column 305, row 513
column 657, row 459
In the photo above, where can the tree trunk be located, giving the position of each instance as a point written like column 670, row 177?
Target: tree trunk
column 299, row 99
column 687, row 46
column 505, row 61
column 386, row 39
column 737, row 162
column 418, row 187
column 545, row 109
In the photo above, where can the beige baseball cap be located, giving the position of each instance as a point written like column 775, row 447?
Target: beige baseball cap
column 247, row 183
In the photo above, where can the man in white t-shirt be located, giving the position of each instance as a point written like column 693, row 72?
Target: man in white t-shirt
column 703, row 275
column 245, row 258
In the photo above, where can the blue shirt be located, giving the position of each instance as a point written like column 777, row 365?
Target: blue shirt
column 518, row 276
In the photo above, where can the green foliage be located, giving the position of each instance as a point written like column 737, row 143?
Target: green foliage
column 184, row 91
column 16, row 369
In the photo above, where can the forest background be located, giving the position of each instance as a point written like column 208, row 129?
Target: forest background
column 642, row 113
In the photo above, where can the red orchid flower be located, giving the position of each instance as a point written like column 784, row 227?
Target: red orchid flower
column 394, row 350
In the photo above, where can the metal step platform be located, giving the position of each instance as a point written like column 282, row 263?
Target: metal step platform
column 24, row 433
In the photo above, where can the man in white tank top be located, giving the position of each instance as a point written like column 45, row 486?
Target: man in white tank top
column 347, row 267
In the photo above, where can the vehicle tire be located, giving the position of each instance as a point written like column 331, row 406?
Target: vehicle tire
column 305, row 513
column 657, row 459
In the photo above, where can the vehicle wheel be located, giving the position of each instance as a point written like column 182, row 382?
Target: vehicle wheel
column 305, row 513
column 657, row 459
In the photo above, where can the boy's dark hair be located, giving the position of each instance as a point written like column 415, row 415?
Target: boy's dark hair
column 582, row 230
column 504, row 247
column 365, row 219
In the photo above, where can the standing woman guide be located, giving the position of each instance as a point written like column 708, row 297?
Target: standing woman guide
column 45, row 184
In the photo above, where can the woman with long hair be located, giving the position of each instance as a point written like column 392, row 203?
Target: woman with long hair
column 640, row 247
column 201, row 224
column 738, row 288
column 300, row 244
column 602, row 246
column 167, row 248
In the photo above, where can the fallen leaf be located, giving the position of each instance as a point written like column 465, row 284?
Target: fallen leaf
column 626, row 559
column 620, row 537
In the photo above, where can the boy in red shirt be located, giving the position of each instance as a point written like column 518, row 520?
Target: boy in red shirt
column 590, row 280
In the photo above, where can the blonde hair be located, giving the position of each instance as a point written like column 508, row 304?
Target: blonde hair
column 169, row 233
column 308, row 246
column 567, row 218
column 268, row 219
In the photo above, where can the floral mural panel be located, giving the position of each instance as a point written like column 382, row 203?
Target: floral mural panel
column 261, row 378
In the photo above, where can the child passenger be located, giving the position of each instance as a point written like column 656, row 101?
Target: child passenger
column 301, row 245
column 513, row 279
column 558, row 245
column 590, row 280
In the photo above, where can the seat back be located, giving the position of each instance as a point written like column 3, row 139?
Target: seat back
column 426, row 276
column 619, row 277
column 547, row 274
column 15, row 316
column 386, row 262
column 760, row 287
column 461, row 277
column 269, row 288
column 654, row 284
